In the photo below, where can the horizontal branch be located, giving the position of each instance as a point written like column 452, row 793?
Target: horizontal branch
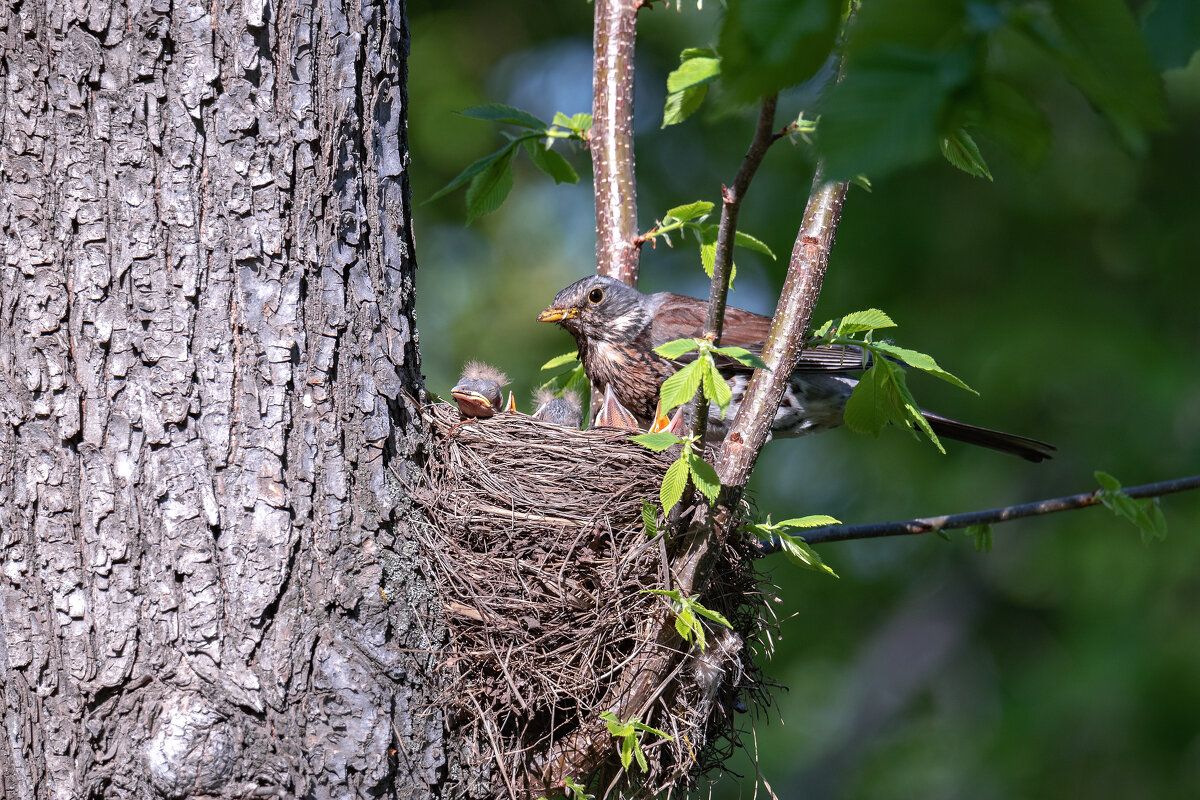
column 841, row 533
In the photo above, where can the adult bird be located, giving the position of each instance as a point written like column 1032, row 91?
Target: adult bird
column 616, row 328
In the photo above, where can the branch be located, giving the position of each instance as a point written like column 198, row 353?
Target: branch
column 841, row 533
column 731, row 206
column 806, row 271
column 611, row 140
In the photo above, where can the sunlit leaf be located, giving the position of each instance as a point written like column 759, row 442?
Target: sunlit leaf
column 674, row 482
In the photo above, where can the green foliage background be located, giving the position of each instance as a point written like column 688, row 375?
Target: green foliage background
column 1065, row 663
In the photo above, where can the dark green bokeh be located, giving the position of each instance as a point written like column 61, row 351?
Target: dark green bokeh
column 1065, row 663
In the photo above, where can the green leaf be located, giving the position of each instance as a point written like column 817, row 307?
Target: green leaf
column 489, row 188
column 1107, row 482
column 810, row 521
column 498, row 112
column 681, row 387
column 715, row 387
column 768, row 45
column 961, row 151
column 658, row 442
column 690, row 211
column 626, row 752
column 871, row 405
column 801, row 554
column 921, row 361
column 477, row 166
column 551, row 162
column 647, row 729
column 681, row 105
column 579, row 123
column 1172, row 31
column 560, row 361
column 704, row 476
column 708, row 256
column 674, row 482
column 650, row 518
column 742, row 355
column 859, row 321
column 982, row 534
column 1099, row 47
column 676, row 347
column 693, row 72
column 715, row 616
column 750, row 243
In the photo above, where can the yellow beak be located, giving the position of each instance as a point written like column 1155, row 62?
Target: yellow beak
column 557, row 314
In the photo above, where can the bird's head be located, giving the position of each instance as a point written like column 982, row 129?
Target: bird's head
column 477, row 392
column 599, row 308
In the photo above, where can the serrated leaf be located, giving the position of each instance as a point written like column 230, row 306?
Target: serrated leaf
column 909, row 410
column 693, row 72
column 810, row 521
column 647, row 729
column 677, row 347
column 960, row 149
column 742, row 355
column 681, row 387
column 681, row 105
column 626, row 752
column 474, row 168
column 715, row 616
column 658, row 442
column 489, row 188
column 870, row 406
column 801, row 554
column 673, row 484
column 708, row 256
column 551, row 162
column 750, row 243
column 859, row 321
column 560, row 361
column 650, row 518
column 690, row 211
column 683, row 629
column 704, row 477
column 498, row 112
column 921, row 361
column 715, row 387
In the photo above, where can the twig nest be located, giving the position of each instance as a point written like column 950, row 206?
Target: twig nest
column 537, row 544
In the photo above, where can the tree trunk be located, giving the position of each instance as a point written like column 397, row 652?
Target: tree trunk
column 206, row 332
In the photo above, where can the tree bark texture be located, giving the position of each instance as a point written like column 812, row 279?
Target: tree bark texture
column 206, row 328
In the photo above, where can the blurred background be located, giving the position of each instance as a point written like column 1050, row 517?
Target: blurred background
column 1064, row 663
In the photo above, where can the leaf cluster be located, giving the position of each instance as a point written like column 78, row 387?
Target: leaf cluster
column 489, row 179
column 629, row 740
column 692, row 218
column 798, row 551
column 688, row 612
column 1146, row 515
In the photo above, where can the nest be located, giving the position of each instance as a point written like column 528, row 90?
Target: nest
column 540, row 556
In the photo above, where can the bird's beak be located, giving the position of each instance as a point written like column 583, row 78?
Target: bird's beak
column 472, row 404
column 553, row 314
column 511, row 406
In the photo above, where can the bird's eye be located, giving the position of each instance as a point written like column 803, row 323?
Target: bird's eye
column 595, row 295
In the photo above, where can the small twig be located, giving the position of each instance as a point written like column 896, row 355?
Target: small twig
column 611, row 140
column 841, row 533
column 731, row 205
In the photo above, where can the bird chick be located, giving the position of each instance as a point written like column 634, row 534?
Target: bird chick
column 477, row 392
column 614, row 415
column 565, row 410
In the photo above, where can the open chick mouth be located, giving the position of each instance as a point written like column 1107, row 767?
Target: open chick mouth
column 472, row 404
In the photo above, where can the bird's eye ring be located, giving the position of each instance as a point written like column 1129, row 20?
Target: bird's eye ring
column 595, row 295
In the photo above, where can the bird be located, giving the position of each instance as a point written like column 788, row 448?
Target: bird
column 564, row 409
column 613, row 414
column 478, row 391
column 616, row 328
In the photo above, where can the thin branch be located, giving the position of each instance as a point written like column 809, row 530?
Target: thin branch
column 806, row 271
column 731, row 205
column 611, row 140
column 841, row 533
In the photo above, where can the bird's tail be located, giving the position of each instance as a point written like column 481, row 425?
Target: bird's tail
column 1023, row 446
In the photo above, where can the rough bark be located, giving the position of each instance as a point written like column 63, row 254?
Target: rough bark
column 206, row 324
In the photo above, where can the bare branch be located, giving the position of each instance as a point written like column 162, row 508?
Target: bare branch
column 806, row 271
column 841, row 533
column 611, row 140
column 731, row 205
